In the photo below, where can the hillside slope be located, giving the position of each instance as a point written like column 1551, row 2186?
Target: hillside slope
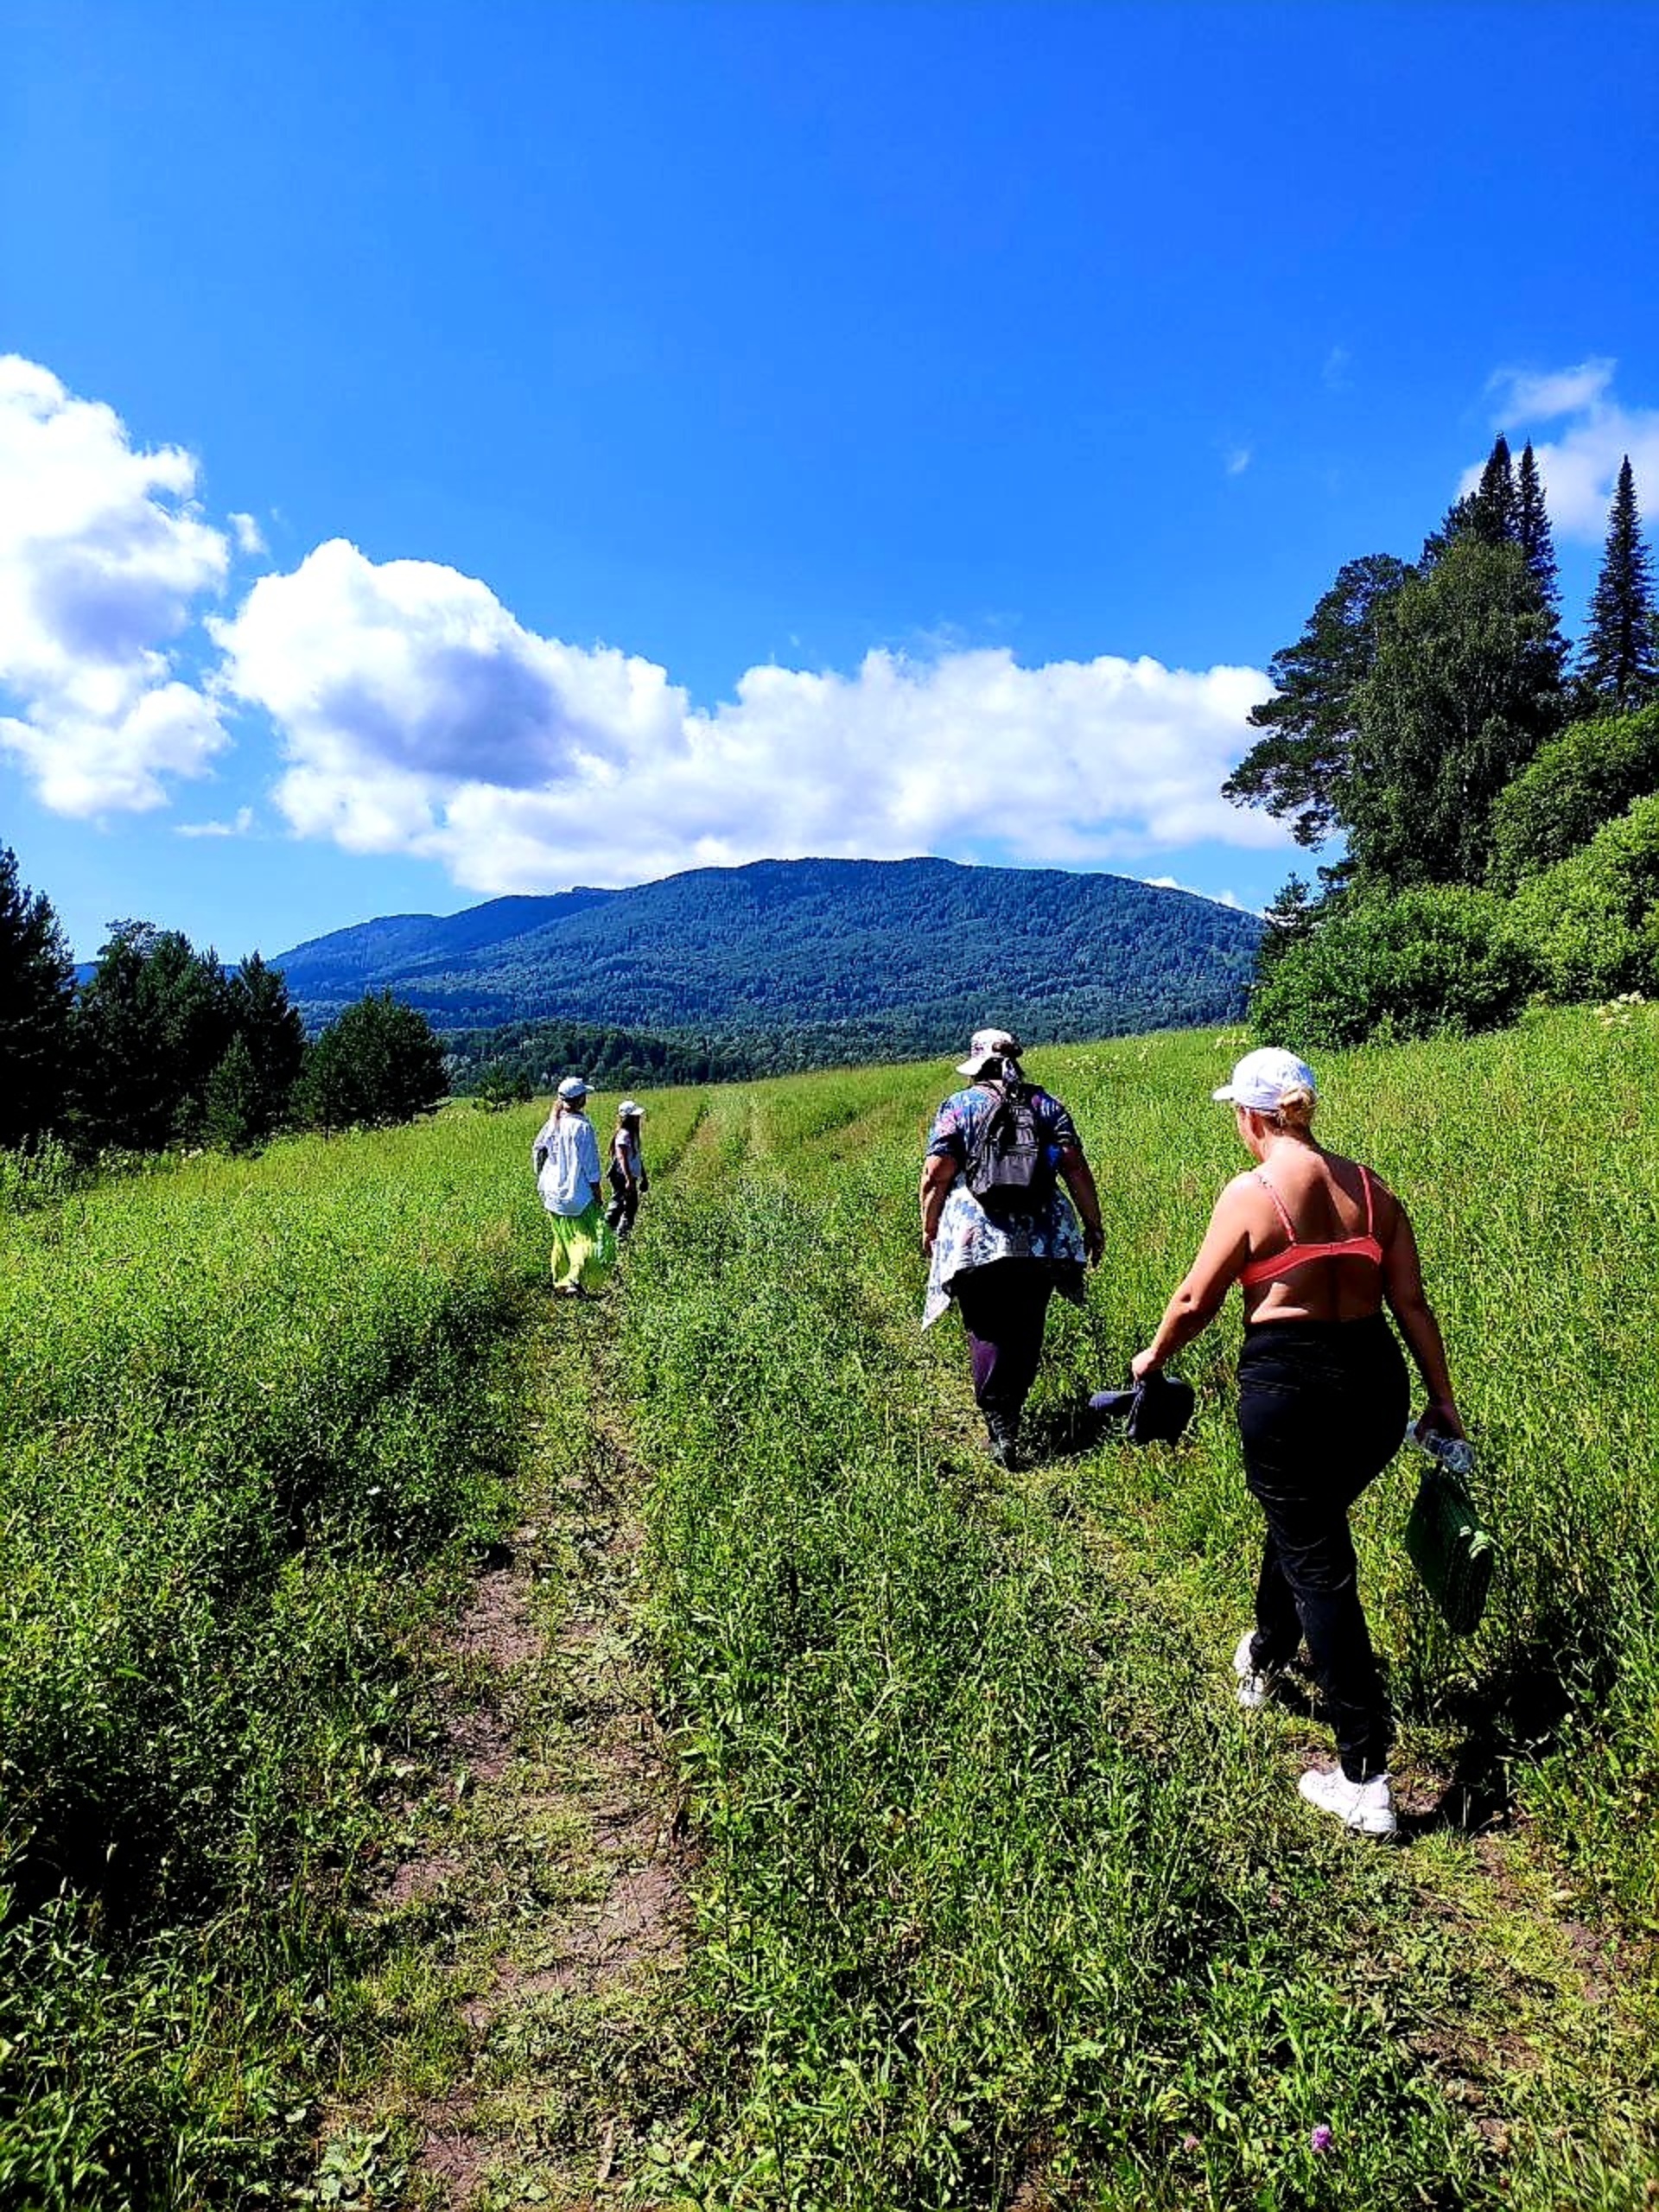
column 900, row 954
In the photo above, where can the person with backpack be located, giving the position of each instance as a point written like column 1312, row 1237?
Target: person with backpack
column 999, row 1232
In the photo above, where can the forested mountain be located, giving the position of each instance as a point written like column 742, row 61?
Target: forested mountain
column 845, row 957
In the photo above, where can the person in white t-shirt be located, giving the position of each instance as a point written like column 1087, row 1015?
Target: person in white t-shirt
column 566, row 1159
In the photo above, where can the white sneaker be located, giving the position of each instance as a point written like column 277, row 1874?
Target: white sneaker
column 1254, row 1690
column 1365, row 1807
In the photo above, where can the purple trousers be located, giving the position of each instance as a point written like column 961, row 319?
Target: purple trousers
column 1004, row 1307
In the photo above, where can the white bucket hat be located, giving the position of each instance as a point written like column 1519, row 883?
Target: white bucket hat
column 1264, row 1079
column 573, row 1088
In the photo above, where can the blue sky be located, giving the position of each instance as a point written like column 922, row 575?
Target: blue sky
column 457, row 449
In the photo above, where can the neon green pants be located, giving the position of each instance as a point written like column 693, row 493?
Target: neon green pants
column 584, row 1248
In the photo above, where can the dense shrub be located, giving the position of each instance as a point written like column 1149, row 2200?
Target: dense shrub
column 1433, row 961
column 1591, row 922
column 1584, row 777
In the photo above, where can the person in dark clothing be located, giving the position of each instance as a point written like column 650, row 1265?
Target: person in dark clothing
column 626, row 1172
column 1319, row 1246
column 1001, row 1268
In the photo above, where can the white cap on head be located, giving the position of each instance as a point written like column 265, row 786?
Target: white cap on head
column 629, row 1110
column 1263, row 1079
column 573, row 1088
column 988, row 1044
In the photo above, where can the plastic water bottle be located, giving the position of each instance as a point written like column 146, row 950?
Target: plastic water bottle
column 1455, row 1453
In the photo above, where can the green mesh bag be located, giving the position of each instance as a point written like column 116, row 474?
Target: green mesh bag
column 1448, row 1544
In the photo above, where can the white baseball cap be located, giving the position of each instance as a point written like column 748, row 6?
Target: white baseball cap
column 573, row 1087
column 988, row 1044
column 629, row 1110
column 1262, row 1080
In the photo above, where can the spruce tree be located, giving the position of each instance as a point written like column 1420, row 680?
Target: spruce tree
column 1533, row 535
column 37, row 980
column 1494, row 510
column 1532, row 529
column 1618, row 661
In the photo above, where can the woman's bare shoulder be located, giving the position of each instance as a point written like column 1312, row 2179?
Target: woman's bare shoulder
column 1245, row 1190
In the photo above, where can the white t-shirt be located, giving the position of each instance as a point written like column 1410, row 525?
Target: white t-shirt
column 571, row 1168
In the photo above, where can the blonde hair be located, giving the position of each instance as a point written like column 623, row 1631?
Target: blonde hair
column 1294, row 1111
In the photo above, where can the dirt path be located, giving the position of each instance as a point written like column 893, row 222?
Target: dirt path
column 530, row 1939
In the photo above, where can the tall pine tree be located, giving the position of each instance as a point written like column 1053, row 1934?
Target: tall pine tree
column 1618, row 661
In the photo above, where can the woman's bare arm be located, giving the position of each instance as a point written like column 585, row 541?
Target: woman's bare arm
column 938, row 1173
column 1080, row 1181
column 1223, row 1253
column 1402, row 1286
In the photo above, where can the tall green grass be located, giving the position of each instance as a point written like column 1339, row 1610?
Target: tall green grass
column 1000, row 1892
column 251, row 1418
column 1000, row 1888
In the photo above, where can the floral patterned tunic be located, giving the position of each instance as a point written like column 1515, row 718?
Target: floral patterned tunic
column 968, row 1236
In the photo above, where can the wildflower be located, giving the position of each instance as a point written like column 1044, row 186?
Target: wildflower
column 1189, row 2143
column 1320, row 2138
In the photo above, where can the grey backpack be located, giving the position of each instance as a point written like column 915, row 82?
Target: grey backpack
column 1008, row 1169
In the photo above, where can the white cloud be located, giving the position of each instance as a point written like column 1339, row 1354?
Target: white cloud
column 1542, row 396
column 249, row 538
column 1238, row 461
column 1580, row 463
column 416, row 715
column 102, row 559
column 1216, row 898
column 240, row 827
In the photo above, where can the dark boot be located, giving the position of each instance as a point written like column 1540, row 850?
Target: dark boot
column 1003, row 1438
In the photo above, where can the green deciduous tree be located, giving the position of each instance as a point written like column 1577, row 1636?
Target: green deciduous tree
column 1586, row 776
column 1464, row 690
column 1438, row 960
column 1618, row 660
column 36, row 981
column 1298, row 770
column 1591, row 921
column 376, row 1063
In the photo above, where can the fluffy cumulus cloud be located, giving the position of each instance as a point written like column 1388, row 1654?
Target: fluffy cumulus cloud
column 1594, row 431
column 103, row 561
column 417, row 716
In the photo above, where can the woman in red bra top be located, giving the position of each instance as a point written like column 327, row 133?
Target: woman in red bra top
column 1319, row 1247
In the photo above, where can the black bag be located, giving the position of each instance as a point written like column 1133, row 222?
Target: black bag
column 1155, row 1410
column 1448, row 1546
column 1008, row 1169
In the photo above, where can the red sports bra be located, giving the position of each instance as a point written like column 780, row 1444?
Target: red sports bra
column 1345, row 1248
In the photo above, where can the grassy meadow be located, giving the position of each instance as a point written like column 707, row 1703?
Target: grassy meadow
column 999, row 1901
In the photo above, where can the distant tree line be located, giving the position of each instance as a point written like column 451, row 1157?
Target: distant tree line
column 514, row 1060
column 160, row 1045
column 1497, row 792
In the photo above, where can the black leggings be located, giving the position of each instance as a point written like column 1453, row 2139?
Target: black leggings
column 1004, row 1307
column 1322, row 1407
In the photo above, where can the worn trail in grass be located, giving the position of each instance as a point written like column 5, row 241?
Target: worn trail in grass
column 990, row 1897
